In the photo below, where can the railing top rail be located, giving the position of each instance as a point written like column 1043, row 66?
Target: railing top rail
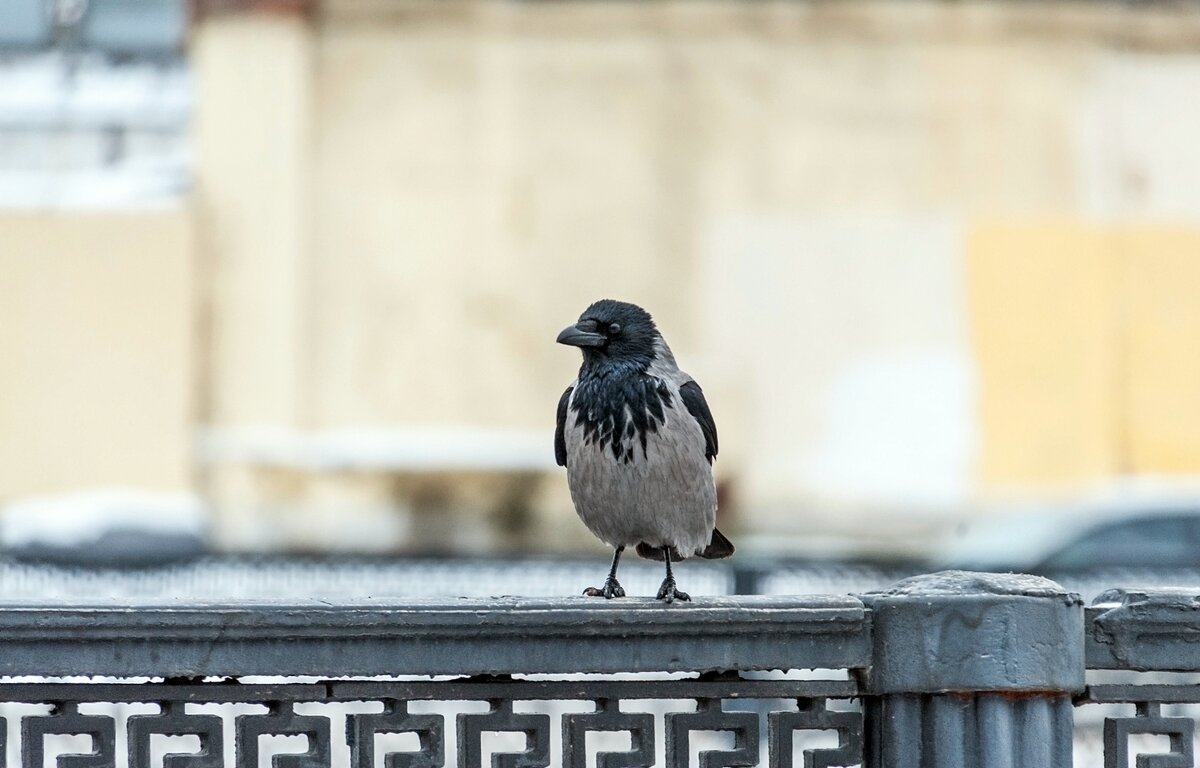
column 459, row 689
column 432, row 637
column 1151, row 629
column 1144, row 629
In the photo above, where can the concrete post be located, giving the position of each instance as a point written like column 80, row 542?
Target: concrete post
column 973, row 669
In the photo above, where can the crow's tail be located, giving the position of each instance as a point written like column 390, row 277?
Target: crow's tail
column 718, row 547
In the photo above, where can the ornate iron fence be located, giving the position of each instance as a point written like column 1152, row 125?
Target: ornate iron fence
column 949, row 669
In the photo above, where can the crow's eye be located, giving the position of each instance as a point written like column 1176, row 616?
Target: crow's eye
column 614, row 329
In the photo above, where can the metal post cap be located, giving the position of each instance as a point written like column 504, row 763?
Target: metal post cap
column 962, row 631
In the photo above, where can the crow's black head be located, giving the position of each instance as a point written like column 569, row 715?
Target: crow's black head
column 613, row 330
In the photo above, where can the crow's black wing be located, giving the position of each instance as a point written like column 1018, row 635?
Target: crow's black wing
column 693, row 398
column 560, row 438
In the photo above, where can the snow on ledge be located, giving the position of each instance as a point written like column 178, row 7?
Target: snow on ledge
column 75, row 519
column 418, row 448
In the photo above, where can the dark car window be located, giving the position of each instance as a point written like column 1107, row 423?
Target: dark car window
column 1166, row 542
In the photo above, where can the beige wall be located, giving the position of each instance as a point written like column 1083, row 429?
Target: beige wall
column 252, row 187
column 920, row 255
column 97, row 374
column 832, row 209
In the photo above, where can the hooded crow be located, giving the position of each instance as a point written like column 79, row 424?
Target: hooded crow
column 638, row 440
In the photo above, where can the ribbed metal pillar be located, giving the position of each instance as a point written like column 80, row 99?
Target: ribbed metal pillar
column 973, row 669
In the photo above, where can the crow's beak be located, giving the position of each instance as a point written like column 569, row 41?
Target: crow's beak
column 577, row 337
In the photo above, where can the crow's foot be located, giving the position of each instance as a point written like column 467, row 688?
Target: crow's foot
column 612, row 588
column 669, row 594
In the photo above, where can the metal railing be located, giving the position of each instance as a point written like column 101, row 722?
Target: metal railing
column 949, row 669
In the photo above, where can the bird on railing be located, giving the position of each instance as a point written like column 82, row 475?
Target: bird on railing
column 638, row 439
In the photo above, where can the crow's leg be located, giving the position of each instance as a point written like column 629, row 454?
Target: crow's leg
column 612, row 588
column 667, row 592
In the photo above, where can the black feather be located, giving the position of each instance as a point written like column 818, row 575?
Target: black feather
column 693, row 399
column 648, row 552
column 718, row 547
column 615, row 403
column 560, row 429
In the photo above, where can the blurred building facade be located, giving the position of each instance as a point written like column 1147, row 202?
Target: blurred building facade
column 922, row 256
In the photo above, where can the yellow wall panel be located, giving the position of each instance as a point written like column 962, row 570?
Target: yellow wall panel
column 1162, row 348
column 96, row 352
column 1043, row 325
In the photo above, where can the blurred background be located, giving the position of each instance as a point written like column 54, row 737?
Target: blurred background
column 284, row 276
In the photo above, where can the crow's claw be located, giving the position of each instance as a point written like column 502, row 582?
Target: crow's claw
column 669, row 594
column 612, row 588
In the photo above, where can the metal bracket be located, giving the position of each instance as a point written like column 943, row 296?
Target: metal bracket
column 66, row 721
column 1179, row 730
column 811, row 715
column 395, row 718
column 283, row 721
column 710, row 717
column 173, row 721
column 502, row 719
column 608, row 717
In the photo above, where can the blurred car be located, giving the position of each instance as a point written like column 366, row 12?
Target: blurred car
column 1164, row 535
